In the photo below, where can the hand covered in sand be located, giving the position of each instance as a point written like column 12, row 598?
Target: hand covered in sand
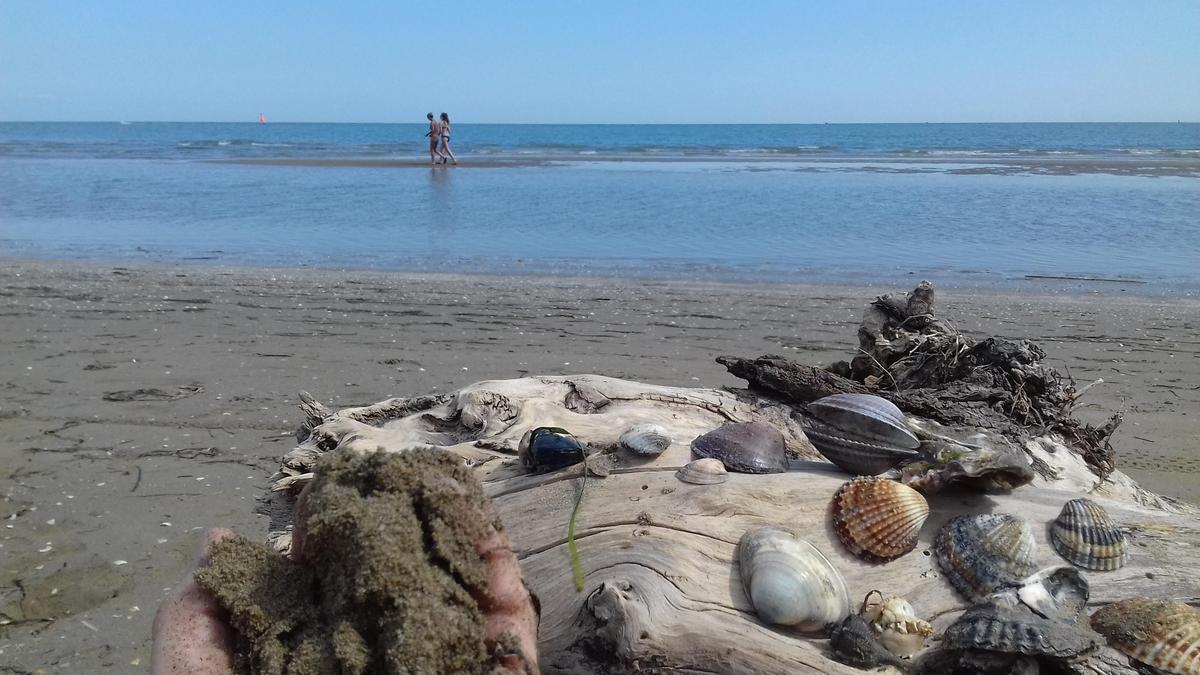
column 191, row 636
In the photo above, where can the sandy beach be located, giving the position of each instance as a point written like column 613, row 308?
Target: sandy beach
column 144, row 403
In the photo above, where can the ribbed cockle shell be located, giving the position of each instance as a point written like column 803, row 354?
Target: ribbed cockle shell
column 878, row 520
column 861, row 433
column 1162, row 633
column 646, row 440
column 789, row 582
column 1016, row 630
column 1084, row 535
column 984, row 553
column 748, row 447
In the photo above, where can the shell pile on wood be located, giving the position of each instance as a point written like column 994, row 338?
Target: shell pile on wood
column 896, row 625
column 645, row 440
column 789, row 582
column 860, row 433
column 1161, row 633
column 703, row 471
column 854, row 643
column 1084, row 535
column 975, row 458
column 984, row 553
column 878, row 520
column 748, row 447
column 549, row 448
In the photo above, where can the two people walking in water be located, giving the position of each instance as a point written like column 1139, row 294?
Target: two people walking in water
column 439, row 139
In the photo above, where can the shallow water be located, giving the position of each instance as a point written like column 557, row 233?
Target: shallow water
column 806, row 202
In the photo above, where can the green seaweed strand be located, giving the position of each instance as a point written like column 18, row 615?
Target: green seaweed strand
column 576, row 566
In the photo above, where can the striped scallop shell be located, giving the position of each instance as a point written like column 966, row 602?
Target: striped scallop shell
column 984, row 553
column 1162, row 633
column 860, row 433
column 878, row 520
column 1084, row 535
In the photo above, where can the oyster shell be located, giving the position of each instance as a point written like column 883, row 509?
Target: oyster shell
column 984, row 553
column 1016, row 630
column 981, row 460
column 854, row 643
column 646, row 440
column 896, row 625
column 1059, row 593
column 1161, row 633
column 878, row 520
column 549, row 448
column 789, row 582
column 860, row 433
column 703, row 471
column 1084, row 535
column 747, row 447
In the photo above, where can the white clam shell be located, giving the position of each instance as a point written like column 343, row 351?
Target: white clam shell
column 789, row 582
column 703, row 471
column 646, row 440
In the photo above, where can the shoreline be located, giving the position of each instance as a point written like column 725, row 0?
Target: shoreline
column 146, row 402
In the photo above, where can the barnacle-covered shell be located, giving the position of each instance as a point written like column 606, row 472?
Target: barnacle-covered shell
column 854, row 643
column 976, row 458
column 789, row 582
column 647, row 440
column 860, row 433
column 984, row 553
column 748, row 447
column 1162, row 633
column 1084, row 535
column 1059, row 593
column 703, row 471
column 1016, row 630
column 549, row 448
column 878, row 520
column 896, row 625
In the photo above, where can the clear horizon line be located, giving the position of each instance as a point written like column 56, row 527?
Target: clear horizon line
column 625, row 124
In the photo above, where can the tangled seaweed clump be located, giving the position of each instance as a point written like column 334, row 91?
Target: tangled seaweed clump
column 386, row 577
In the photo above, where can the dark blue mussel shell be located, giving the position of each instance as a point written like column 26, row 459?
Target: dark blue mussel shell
column 549, row 448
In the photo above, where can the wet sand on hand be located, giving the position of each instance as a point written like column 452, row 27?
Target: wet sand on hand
column 142, row 404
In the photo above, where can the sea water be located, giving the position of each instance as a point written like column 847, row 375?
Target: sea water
column 983, row 202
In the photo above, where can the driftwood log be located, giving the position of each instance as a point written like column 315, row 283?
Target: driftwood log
column 662, row 589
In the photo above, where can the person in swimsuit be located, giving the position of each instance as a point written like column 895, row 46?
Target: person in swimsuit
column 434, row 133
column 445, row 134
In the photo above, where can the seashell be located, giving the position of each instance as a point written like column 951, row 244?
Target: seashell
column 860, row 433
column 984, row 553
column 1084, row 535
column 1161, row 633
column 855, row 644
column 878, row 520
column 1059, row 593
column 646, row 440
column 979, row 459
column 549, row 448
column 704, row 471
column 789, row 582
column 748, row 447
column 896, row 625
column 1016, row 630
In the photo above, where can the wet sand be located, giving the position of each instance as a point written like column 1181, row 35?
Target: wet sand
column 142, row 404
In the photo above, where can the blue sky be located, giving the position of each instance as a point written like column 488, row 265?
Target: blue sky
column 603, row 61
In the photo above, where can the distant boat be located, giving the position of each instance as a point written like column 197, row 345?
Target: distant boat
column 261, row 119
